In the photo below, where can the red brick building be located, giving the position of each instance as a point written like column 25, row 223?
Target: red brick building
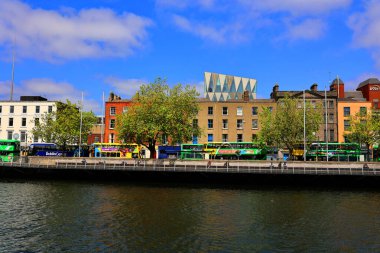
column 113, row 107
column 371, row 91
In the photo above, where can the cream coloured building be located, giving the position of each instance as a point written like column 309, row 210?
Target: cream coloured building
column 17, row 118
column 230, row 121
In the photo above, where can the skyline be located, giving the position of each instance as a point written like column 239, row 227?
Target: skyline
column 64, row 48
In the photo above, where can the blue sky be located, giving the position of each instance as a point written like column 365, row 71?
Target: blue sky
column 63, row 48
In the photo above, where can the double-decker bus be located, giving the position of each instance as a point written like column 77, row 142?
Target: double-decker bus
column 192, row 152
column 334, row 151
column 121, row 150
column 44, row 149
column 9, row 150
column 169, row 152
column 236, row 150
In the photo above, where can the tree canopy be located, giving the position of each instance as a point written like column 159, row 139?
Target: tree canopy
column 284, row 127
column 63, row 125
column 364, row 128
column 160, row 111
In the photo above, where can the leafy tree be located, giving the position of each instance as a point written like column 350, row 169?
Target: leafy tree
column 364, row 129
column 159, row 111
column 63, row 125
column 284, row 127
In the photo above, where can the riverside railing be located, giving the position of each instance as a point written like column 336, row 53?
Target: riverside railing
column 312, row 168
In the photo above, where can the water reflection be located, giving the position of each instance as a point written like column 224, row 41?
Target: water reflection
column 86, row 217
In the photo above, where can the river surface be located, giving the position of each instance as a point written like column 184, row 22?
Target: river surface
column 68, row 216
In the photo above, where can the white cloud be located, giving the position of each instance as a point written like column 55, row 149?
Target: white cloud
column 366, row 28
column 52, row 90
column 182, row 4
column 308, row 29
column 68, row 34
column 125, row 88
column 296, row 7
column 232, row 31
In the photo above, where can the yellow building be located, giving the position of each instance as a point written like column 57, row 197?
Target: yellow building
column 349, row 107
column 232, row 120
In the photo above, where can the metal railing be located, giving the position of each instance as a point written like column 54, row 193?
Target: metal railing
column 207, row 167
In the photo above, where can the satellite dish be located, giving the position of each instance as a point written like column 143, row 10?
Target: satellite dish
column 16, row 136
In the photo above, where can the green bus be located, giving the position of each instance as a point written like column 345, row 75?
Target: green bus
column 319, row 151
column 192, row 152
column 236, row 150
column 376, row 152
column 9, row 150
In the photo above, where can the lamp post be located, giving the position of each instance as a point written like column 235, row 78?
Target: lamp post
column 304, row 126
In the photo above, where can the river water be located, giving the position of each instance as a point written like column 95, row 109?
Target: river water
column 68, row 216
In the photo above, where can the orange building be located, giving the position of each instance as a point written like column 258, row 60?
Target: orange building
column 113, row 107
column 349, row 107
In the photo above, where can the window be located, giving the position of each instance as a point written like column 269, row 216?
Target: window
column 254, row 137
column 225, row 123
column 346, row 111
column 299, row 104
column 23, row 122
column 113, row 111
column 35, row 138
column 12, row 109
column 50, row 108
column 254, row 110
column 195, row 139
column 9, row 135
column 376, row 105
column 125, row 109
column 112, row 123
column 255, row 124
column 210, row 110
column 210, row 137
column 332, row 135
column 37, row 109
column 22, row 136
column 1, row 109
column 331, row 117
column 96, row 139
column 24, row 109
column 225, row 110
column 0, row 121
column 10, row 122
column 210, row 123
column 331, row 104
column 224, row 137
column 346, row 125
column 239, row 124
column 112, row 137
column 239, row 111
column 36, row 122
column 270, row 108
column 239, row 137
column 363, row 110
column 314, row 104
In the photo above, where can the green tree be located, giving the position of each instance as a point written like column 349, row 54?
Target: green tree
column 364, row 129
column 284, row 127
column 159, row 111
column 63, row 125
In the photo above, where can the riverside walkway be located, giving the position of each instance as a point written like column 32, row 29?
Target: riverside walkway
column 207, row 166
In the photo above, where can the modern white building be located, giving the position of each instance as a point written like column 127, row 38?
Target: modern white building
column 17, row 118
column 220, row 87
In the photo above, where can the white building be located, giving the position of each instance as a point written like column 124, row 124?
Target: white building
column 17, row 118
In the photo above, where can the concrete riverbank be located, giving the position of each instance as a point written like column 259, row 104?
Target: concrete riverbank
column 248, row 172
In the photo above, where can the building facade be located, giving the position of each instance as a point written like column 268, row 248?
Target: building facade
column 348, row 107
column 370, row 89
column 113, row 107
column 18, row 118
column 220, row 87
column 328, row 130
column 230, row 121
